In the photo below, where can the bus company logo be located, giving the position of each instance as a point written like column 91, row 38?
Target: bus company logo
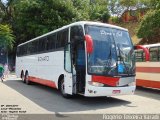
column 45, row 58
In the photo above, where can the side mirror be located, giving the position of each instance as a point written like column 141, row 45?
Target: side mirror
column 89, row 43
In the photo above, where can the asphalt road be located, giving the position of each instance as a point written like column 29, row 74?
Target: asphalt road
column 37, row 99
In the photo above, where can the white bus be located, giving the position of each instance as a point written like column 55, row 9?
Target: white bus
column 86, row 58
column 148, row 65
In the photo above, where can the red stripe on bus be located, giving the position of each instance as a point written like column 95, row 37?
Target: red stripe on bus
column 42, row 81
column 148, row 83
column 148, row 69
column 105, row 80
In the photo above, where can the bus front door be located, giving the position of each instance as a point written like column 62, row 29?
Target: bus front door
column 68, row 75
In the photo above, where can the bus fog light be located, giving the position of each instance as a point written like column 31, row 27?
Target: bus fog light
column 132, row 84
column 96, row 84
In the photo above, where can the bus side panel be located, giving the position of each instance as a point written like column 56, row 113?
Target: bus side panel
column 19, row 66
column 46, row 66
column 148, row 74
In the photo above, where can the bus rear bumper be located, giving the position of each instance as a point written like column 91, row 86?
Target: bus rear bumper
column 93, row 91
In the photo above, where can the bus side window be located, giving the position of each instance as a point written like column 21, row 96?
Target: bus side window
column 67, row 59
column 24, row 49
column 51, row 42
column 153, row 53
column 21, row 52
column 76, row 33
column 28, row 48
column 140, row 56
column 41, row 45
column 35, row 46
column 32, row 47
column 18, row 51
column 62, row 38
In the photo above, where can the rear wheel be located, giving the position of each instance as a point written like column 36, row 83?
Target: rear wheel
column 26, row 78
column 23, row 77
column 65, row 95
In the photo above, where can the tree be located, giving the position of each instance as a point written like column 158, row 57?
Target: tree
column 128, row 3
column 152, row 4
column 99, row 11
column 149, row 28
column 6, row 37
column 82, row 8
column 6, row 10
column 95, row 10
column 34, row 18
column 31, row 18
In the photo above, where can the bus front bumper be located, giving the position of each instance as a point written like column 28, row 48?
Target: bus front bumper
column 93, row 91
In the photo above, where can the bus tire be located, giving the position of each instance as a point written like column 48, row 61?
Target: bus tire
column 65, row 95
column 23, row 77
column 26, row 79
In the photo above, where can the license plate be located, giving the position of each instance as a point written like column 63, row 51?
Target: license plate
column 116, row 91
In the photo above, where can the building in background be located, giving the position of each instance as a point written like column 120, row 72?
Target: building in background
column 133, row 14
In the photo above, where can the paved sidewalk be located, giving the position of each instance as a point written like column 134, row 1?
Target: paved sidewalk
column 10, row 97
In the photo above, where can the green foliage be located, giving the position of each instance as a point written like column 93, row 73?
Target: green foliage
column 6, row 11
column 152, row 4
column 95, row 10
column 82, row 9
column 34, row 18
column 31, row 18
column 150, row 26
column 114, row 19
column 128, row 3
column 6, row 37
column 98, row 11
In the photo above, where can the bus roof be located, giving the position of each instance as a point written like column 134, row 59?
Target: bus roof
column 77, row 23
column 152, row 45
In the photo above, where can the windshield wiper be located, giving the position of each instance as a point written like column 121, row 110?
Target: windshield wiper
column 121, row 59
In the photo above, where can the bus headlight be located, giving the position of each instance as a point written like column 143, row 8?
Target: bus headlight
column 132, row 84
column 96, row 84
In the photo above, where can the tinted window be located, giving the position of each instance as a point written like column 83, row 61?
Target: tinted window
column 41, row 44
column 154, row 54
column 51, row 42
column 48, row 43
column 18, row 51
column 21, row 50
column 140, row 56
column 35, row 44
column 62, row 38
column 29, row 48
column 76, row 33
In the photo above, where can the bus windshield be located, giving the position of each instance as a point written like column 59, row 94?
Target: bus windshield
column 113, row 53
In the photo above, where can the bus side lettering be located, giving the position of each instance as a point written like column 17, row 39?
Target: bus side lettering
column 45, row 58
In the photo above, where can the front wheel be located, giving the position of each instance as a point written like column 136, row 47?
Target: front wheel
column 65, row 95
